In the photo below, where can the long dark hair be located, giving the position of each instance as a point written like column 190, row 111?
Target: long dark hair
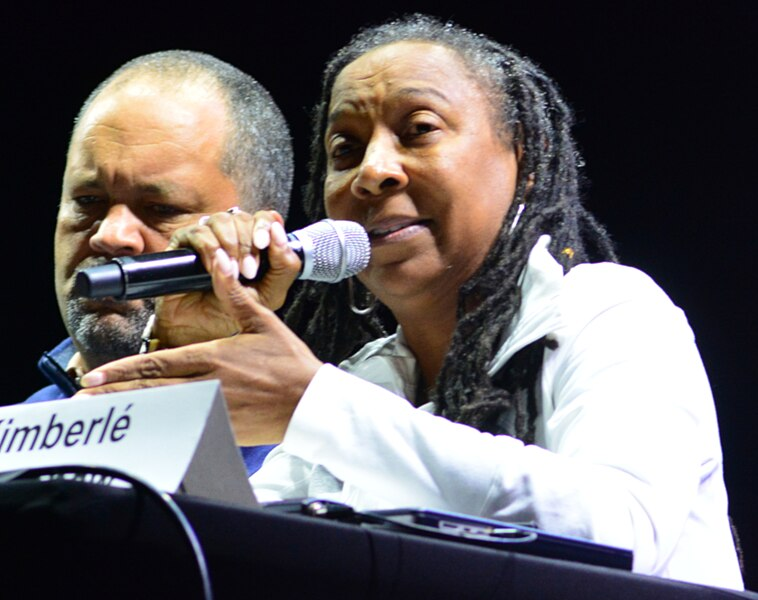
column 531, row 110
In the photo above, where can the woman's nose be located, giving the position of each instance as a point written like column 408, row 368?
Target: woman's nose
column 380, row 170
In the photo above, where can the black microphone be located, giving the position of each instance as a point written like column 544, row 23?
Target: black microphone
column 329, row 250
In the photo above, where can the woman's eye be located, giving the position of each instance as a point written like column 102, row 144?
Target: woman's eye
column 343, row 153
column 421, row 129
column 340, row 148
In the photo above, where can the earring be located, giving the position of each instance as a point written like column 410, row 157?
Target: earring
column 351, row 300
column 519, row 210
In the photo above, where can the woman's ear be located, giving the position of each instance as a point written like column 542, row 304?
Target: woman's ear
column 529, row 182
column 516, row 141
column 518, row 148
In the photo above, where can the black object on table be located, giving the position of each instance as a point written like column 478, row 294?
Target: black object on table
column 70, row 539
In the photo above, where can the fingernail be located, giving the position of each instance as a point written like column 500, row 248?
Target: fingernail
column 278, row 235
column 235, row 268
column 223, row 261
column 92, row 379
column 203, row 220
column 261, row 238
column 249, row 267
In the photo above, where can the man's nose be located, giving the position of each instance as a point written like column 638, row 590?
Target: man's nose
column 119, row 233
column 381, row 169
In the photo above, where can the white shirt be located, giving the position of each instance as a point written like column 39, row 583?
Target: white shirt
column 627, row 450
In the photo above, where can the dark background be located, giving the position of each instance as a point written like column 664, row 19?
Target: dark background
column 664, row 98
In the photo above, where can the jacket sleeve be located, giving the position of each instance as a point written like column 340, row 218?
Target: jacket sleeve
column 627, row 424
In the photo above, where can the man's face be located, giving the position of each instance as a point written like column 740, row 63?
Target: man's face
column 143, row 161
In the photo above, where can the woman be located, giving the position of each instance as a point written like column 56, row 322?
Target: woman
column 548, row 389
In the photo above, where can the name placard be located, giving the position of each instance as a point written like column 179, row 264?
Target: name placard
column 177, row 438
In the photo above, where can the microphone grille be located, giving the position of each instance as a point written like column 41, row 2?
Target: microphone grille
column 333, row 250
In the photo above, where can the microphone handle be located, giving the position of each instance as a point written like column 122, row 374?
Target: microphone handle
column 175, row 272
column 151, row 275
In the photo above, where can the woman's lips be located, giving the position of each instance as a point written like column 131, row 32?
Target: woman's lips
column 390, row 232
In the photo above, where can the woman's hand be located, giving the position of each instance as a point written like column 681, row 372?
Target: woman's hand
column 264, row 370
column 198, row 316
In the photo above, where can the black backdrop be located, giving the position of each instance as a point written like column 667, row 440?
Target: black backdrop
column 664, row 99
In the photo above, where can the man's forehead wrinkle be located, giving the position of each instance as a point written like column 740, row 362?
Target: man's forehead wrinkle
column 87, row 177
column 83, row 172
column 122, row 136
column 157, row 143
column 140, row 128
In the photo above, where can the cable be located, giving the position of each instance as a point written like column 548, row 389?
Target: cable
column 165, row 501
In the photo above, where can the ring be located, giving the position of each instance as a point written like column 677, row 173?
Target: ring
column 233, row 210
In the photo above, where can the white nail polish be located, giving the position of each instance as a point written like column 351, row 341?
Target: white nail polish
column 261, row 238
column 249, row 267
column 93, row 379
column 278, row 235
column 223, row 261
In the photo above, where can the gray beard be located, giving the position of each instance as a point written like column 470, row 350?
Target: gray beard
column 101, row 341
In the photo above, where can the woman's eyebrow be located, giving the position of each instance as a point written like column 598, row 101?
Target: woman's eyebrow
column 404, row 92
column 422, row 91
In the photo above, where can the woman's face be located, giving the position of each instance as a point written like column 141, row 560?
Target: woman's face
column 416, row 157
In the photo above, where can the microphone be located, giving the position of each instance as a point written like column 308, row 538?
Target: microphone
column 329, row 250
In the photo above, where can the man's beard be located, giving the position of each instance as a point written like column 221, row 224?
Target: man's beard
column 105, row 335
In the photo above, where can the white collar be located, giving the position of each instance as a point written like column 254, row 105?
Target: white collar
column 390, row 363
column 538, row 315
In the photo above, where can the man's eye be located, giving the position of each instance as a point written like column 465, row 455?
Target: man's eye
column 419, row 129
column 87, row 200
column 165, row 210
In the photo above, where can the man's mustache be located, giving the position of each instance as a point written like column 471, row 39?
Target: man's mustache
column 91, row 261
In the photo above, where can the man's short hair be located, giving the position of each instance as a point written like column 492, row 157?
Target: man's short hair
column 257, row 154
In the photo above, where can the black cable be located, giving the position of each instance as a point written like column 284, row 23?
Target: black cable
column 165, row 501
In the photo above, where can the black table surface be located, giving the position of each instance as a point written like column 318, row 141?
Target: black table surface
column 66, row 539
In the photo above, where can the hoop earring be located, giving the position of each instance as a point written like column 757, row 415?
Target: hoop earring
column 351, row 300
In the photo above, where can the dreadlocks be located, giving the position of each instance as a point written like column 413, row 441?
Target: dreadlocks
column 529, row 108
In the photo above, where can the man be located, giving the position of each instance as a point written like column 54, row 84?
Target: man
column 166, row 139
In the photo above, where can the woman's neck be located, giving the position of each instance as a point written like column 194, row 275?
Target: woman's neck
column 428, row 334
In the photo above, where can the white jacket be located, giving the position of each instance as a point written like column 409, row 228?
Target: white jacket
column 627, row 450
